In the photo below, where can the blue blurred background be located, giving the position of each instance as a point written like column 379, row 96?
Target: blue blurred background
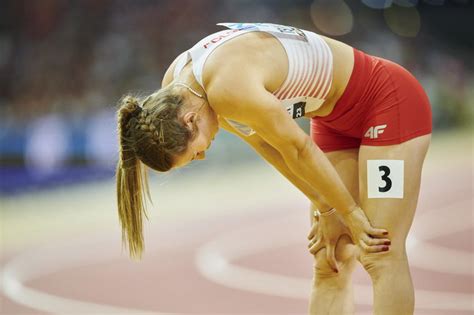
column 64, row 64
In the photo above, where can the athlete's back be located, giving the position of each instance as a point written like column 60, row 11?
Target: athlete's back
column 307, row 80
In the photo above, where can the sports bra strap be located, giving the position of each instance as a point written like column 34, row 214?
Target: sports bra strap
column 183, row 60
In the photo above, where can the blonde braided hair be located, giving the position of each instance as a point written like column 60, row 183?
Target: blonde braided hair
column 153, row 135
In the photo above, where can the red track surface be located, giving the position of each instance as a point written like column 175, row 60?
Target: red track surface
column 167, row 280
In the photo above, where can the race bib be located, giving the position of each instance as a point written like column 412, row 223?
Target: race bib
column 385, row 178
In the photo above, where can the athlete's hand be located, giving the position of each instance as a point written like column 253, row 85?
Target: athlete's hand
column 324, row 234
column 368, row 238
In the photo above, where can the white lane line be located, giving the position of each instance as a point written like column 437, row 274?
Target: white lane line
column 215, row 259
column 428, row 256
column 66, row 254
column 443, row 221
column 32, row 265
column 62, row 256
column 433, row 223
column 56, row 304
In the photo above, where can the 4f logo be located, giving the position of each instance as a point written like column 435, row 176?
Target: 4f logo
column 374, row 132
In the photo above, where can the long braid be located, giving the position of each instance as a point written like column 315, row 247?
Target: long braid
column 130, row 182
column 151, row 135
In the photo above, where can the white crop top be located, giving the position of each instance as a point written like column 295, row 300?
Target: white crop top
column 310, row 65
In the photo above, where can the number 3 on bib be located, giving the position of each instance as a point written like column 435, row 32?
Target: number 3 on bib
column 385, row 178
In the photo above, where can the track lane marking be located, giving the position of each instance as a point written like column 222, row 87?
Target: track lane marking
column 214, row 260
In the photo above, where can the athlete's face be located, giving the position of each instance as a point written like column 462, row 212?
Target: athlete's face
column 204, row 126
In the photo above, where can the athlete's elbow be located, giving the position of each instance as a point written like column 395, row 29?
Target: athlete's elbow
column 299, row 153
column 304, row 148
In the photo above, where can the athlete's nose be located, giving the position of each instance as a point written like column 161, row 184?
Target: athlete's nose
column 201, row 155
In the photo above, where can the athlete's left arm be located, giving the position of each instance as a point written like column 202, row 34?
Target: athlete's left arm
column 254, row 106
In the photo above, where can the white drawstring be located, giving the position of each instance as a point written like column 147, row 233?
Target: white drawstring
column 190, row 89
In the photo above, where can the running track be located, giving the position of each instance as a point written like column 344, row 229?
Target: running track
column 229, row 254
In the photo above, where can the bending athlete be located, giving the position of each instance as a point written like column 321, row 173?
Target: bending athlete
column 370, row 128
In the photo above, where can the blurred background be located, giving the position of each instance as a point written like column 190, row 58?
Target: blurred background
column 64, row 65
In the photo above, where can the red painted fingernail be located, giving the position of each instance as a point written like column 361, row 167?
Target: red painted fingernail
column 387, row 243
column 385, row 248
column 336, row 271
column 385, row 233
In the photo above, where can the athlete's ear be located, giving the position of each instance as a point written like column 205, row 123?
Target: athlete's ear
column 190, row 120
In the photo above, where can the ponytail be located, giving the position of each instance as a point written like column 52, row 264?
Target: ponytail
column 132, row 182
column 150, row 136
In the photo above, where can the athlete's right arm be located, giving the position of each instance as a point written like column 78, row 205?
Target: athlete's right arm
column 272, row 156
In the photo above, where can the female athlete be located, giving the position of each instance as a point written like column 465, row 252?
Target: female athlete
column 360, row 168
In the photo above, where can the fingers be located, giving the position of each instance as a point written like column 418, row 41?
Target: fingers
column 313, row 230
column 380, row 233
column 316, row 216
column 331, row 257
column 375, row 241
column 316, row 247
column 373, row 248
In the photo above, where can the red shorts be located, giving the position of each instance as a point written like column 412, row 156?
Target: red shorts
column 383, row 104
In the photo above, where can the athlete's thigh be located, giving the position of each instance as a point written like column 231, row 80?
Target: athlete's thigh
column 390, row 183
column 347, row 166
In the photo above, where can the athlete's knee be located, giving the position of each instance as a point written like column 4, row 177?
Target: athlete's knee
column 345, row 256
column 383, row 263
column 322, row 269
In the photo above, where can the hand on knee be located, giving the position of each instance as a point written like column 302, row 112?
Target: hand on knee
column 322, row 269
column 345, row 256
